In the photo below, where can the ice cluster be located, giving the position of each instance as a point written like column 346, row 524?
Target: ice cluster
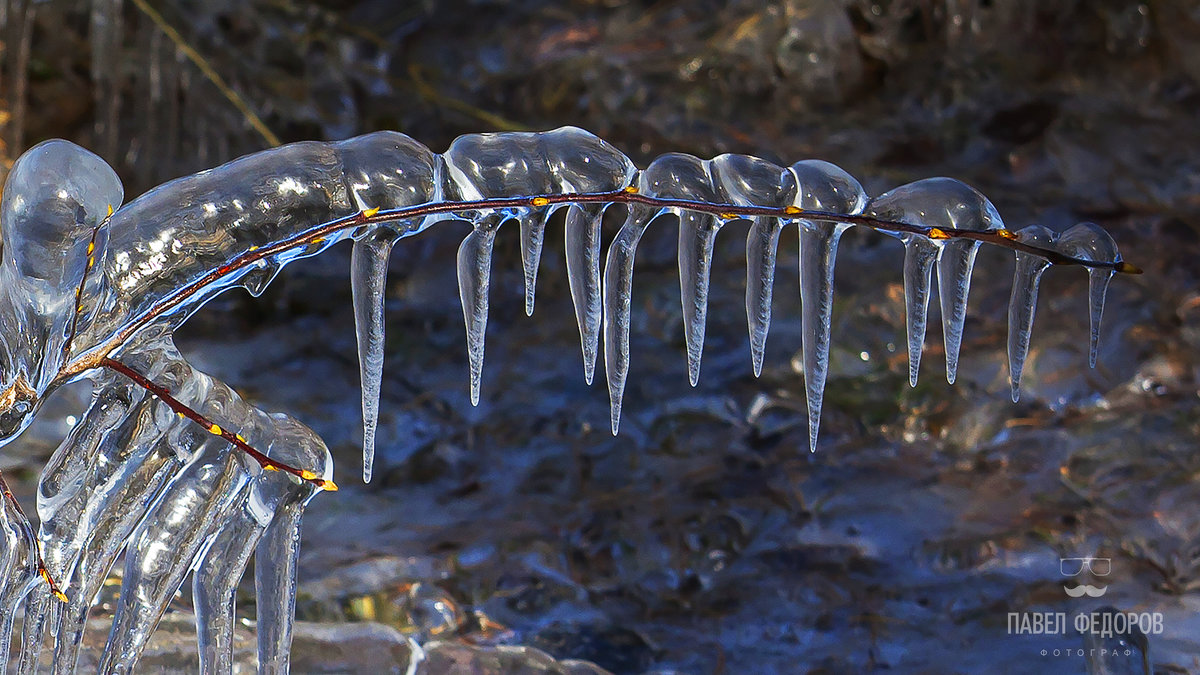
column 85, row 283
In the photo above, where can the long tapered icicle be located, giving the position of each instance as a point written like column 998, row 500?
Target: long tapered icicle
column 618, row 300
column 965, row 209
column 818, row 251
column 1097, row 289
column 214, row 585
column 954, row 265
column 822, row 186
column 762, row 245
column 368, row 278
column 697, row 232
column 1023, row 303
column 533, row 230
column 919, row 256
column 583, row 272
column 474, row 274
column 1088, row 241
column 746, row 180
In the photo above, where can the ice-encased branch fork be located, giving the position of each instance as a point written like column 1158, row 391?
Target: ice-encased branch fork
column 169, row 251
column 86, row 290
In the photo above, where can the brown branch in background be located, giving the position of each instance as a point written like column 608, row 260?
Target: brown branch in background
column 183, row 410
column 426, row 91
column 209, row 72
column 37, row 546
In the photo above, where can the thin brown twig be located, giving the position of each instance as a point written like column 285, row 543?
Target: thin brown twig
column 1002, row 237
column 91, row 262
column 37, row 546
column 184, row 410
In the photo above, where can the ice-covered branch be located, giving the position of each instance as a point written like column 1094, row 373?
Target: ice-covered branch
column 91, row 289
column 169, row 251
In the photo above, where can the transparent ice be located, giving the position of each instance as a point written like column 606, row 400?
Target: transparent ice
column 86, row 282
column 946, row 204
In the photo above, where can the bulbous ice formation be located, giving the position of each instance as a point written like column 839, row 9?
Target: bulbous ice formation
column 1023, row 304
column 1088, row 241
column 943, row 204
column 56, row 195
column 78, row 287
column 823, row 187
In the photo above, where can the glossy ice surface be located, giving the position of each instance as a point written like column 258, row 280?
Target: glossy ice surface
column 79, row 285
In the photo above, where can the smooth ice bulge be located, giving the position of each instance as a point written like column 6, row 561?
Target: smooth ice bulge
column 945, row 204
column 823, row 187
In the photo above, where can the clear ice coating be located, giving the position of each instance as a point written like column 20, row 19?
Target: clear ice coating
column 946, row 204
column 134, row 477
column 1088, row 241
column 823, row 187
column 750, row 181
column 496, row 166
column 368, row 277
column 1023, row 303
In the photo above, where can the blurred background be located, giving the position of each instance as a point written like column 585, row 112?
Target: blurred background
column 704, row 538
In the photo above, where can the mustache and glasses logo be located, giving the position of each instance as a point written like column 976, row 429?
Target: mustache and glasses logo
column 1073, row 567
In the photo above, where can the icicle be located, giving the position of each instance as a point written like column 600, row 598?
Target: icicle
column 762, row 244
column 1097, row 288
column 33, row 633
column 618, row 300
column 955, row 262
column 583, row 272
column 824, row 187
column 942, row 204
column 919, row 256
column 368, row 277
column 1088, row 241
column 818, row 252
column 214, row 583
column 275, row 563
column 1023, row 303
column 697, row 232
column 18, row 571
column 745, row 180
column 970, row 211
column 474, row 272
column 205, row 491
column 533, row 230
